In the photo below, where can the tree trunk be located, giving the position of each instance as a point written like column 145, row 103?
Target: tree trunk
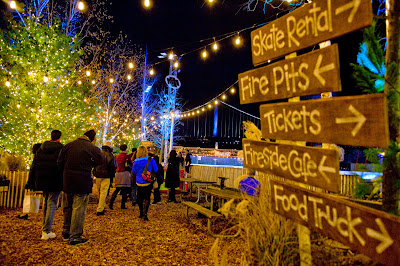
column 391, row 173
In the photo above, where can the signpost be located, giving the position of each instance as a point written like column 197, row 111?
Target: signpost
column 308, row 25
column 312, row 166
column 352, row 120
column 308, row 74
column 372, row 232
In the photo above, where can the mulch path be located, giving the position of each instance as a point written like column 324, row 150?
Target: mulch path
column 117, row 238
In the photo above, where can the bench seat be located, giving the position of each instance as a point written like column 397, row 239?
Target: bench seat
column 208, row 213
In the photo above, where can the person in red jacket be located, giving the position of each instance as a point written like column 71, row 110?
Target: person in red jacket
column 122, row 177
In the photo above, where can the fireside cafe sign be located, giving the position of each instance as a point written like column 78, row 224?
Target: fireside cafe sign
column 308, row 25
column 373, row 233
column 350, row 120
column 307, row 74
column 308, row 165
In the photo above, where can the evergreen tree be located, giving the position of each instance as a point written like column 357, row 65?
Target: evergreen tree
column 38, row 84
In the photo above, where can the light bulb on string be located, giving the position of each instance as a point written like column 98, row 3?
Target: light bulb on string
column 171, row 55
column 129, row 77
column 87, row 73
column 198, row 112
column 176, row 64
column 8, row 84
column 192, row 113
column 147, row 3
column 131, row 65
column 233, row 90
column 13, row 5
column 216, row 102
column 223, row 97
column 45, row 79
column 215, row 46
column 93, row 82
column 79, row 82
column 209, row 105
column 238, row 40
column 81, row 6
column 111, row 80
column 203, row 109
column 204, row 54
column 151, row 72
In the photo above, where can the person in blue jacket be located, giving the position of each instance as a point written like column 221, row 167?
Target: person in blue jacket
column 143, row 187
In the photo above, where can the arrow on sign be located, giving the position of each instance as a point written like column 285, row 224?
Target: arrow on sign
column 354, row 4
column 358, row 118
column 383, row 236
column 322, row 169
column 319, row 70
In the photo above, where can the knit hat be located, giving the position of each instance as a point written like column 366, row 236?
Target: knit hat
column 91, row 134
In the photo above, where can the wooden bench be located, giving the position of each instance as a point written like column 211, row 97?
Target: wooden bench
column 208, row 213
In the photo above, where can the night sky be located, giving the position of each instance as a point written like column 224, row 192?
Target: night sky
column 182, row 24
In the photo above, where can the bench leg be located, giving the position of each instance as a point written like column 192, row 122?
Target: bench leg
column 218, row 235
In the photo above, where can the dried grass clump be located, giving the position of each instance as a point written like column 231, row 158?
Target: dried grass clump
column 268, row 238
column 13, row 163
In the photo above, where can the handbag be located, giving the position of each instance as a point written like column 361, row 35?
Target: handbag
column 148, row 176
column 31, row 203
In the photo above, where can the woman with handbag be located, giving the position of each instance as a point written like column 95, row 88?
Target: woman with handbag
column 122, row 177
column 142, row 168
column 172, row 179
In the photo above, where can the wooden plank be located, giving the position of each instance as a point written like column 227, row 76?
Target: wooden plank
column 351, row 120
column 312, row 166
column 309, row 74
column 308, row 25
column 373, row 233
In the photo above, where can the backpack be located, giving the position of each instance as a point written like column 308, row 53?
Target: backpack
column 107, row 168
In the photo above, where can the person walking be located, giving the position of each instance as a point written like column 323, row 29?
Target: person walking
column 77, row 159
column 160, row 180
column 104, row 174
column 144, row 188
column 172, row 179
column 122, row 177
column 48, row 178
column 133, row 178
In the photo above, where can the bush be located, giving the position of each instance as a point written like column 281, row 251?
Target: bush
column 13, row 163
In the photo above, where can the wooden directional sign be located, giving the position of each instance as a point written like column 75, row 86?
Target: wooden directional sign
column 373, row 233
column 351, row 120
column 308, row 74
column 308, row 25
column 312, row 166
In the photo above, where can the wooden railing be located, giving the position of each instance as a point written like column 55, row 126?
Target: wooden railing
column 13, row 195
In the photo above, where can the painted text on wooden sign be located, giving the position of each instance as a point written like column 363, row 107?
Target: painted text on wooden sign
column 308, row 74
column 308, row 25
column 308, row 165
column 373, row 233
column 351, row 120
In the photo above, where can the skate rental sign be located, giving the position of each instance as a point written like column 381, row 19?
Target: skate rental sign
column 307, row 74
column 350, row 120
column 308, row 25
column 307, row 165
column 373, row 233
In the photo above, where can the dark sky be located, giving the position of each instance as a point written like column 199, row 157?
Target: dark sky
column 183, row 24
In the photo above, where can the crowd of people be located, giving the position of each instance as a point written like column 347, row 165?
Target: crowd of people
column 67, row 172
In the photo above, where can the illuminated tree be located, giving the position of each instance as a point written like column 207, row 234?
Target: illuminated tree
column 115, row 73
column 38, row 70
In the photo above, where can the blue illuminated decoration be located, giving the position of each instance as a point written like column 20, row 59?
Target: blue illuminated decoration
column 363, row 60
column 215, row 131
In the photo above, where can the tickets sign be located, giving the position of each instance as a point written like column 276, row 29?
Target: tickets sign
column 308, row 25
column 307, row 74
column 351, row 120
column 308, row 165
column 372, row 232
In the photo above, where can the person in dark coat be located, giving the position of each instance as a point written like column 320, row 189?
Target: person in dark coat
column 104, row 174
column 48, row 178
column 77, row 159
column 172, row 179
column 188, row 162
column 160, row 180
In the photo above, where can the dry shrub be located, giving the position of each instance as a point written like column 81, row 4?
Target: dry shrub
column 268, row 238
column 13, row 162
